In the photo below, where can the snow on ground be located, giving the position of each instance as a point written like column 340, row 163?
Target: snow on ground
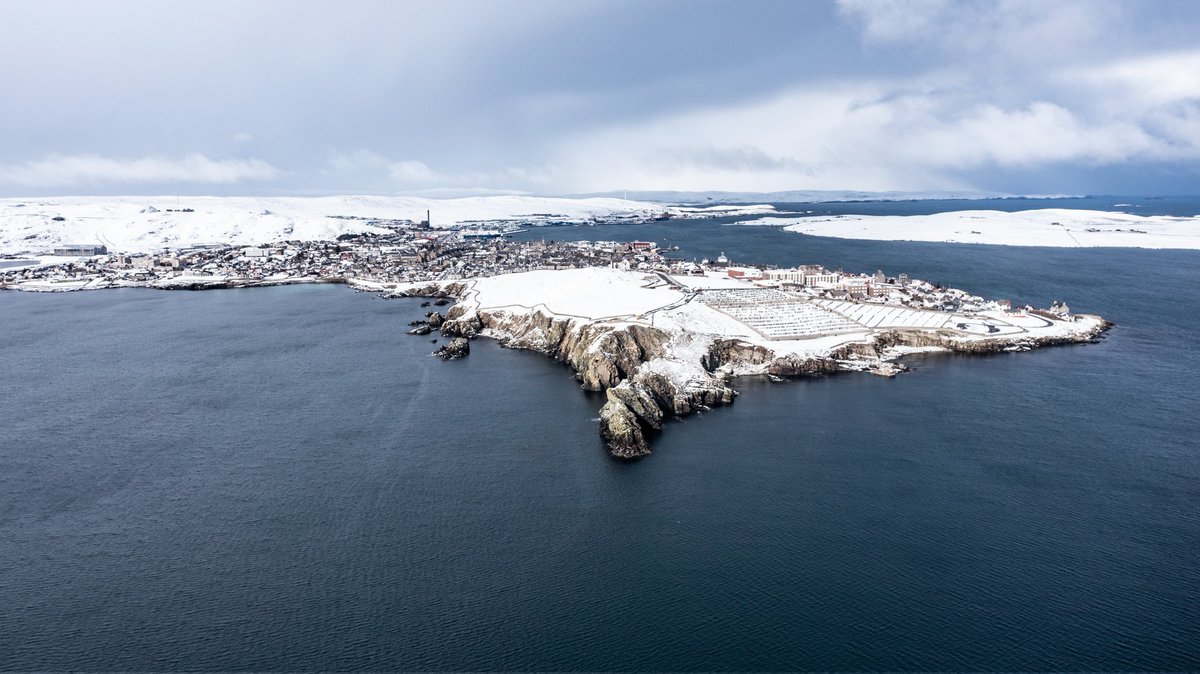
column 623, row 296
column 603, row 293
column 698, row 318
column 710, row 280
column 1055, row 227
column 590, row 293
column 149, row 224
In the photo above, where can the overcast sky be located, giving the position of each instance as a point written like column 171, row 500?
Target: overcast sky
column 554, row 96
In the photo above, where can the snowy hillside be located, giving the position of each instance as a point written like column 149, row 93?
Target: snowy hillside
column 142, row 224
column 1055, row 227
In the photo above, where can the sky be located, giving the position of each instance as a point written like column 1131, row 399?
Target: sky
column 550, row 97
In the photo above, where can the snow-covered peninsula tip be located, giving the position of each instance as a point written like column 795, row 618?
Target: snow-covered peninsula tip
column 664, row 345
column 1050, row 227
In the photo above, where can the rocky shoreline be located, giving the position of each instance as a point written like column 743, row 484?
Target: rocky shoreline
column 649, row 374
column 626, row 359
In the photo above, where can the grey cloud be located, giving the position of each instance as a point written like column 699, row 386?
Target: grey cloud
column 547, row 96
column 76, row 170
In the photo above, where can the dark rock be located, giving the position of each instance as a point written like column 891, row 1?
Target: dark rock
column 421, row 330
column 441, row 302
column 424, row 304
column 621, row 431
column 458, row 347
column 434, row 319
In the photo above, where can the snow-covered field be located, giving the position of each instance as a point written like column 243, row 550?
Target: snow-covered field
column 619, row 296
column 1055, row 227
column 592, row 293
column 149, row 224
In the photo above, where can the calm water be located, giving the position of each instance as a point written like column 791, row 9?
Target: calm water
column 281, row 479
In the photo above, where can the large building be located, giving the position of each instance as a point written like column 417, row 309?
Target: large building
column 80, row 250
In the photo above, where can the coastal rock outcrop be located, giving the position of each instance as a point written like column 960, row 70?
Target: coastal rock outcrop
column 950, row 341
column 433, row 289
column 621, row 431
column 735, row 354
column 605, row 357
column 459, row 347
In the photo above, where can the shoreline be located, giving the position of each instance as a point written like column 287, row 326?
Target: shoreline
column 652, row 373
column 661, row 338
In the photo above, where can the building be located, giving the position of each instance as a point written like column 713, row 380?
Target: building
column 857, row 287
column 790, row 276
column 745, row 273
column 80, row 250
column 825, row 279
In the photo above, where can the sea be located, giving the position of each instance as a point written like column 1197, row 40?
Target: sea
column 282, row 479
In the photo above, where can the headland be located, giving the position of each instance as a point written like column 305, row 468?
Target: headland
column 663, row 337
column 663, row 345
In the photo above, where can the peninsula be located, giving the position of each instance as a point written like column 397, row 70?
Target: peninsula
column 663, row 345
column 662, row 336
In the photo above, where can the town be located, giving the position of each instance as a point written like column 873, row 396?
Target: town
column 410, row 253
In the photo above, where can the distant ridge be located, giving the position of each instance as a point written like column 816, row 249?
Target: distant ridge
column 803, row 196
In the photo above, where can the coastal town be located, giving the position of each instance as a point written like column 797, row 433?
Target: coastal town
column 661, row 334
column 412, row 253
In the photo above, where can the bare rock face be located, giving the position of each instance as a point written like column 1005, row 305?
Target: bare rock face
column 434, row 319
column 461, row 322
column 640, row 401
column 793, row 366
column 950, row 341
column 621, row 431
column 723, row 351
column 606, row 357
column 437, row 290
column 736, row 352
column 458, row 347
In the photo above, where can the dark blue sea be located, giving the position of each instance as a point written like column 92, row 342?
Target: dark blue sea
column 281, row 479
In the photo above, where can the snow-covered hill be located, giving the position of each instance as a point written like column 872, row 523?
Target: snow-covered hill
column 1054, row 227
column 142, row 224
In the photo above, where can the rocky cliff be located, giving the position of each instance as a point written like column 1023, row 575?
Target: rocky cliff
column 1090, row 330
column 624, row 359
column 605, row 357
column 647, row 376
